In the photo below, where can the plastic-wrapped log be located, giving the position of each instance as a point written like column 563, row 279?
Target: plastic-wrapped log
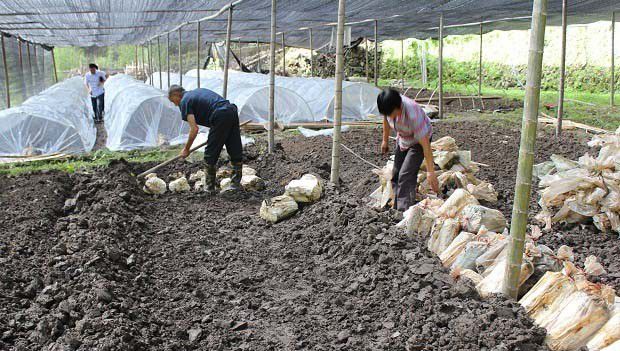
column 179, row 185
column 581, row 315
column 493, row 281
column 550, row 290
column 488, row 257
column 457, row 245
column 278, row 208
column 476, row 216
column 608, row 334
column 306, row 189
column 442, row 234
column 456, row 202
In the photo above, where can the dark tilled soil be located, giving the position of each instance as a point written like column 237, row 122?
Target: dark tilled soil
column 127, row 271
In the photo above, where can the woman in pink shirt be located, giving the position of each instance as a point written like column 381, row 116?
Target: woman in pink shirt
column 413, row 144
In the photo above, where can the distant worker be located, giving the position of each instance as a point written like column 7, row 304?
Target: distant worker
column 206, row 108
column 413, row 144
column 94, row 80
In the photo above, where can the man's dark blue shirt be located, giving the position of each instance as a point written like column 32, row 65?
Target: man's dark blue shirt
column 202, row 103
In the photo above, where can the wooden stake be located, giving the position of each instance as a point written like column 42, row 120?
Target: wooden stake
column 159, row 65
column 54, row 64
column 6, row 73
column 558, row 129
column 168, row 57
column 441, row 65
column 283, row 56
column 613, row 66
column 366, row 60
column 150, row 52
column 523, row 186
column 376, row 53
column 402, row 65
column 335, row 170
column 136, row 59
column 272, row 78
column 198, row 55
column 180, row 59
column 143, row 58
column 258, row 66
column 311, row 53
column 480, row 63
column 227, row 54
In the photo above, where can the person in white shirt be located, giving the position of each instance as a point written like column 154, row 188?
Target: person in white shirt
column 94, row 80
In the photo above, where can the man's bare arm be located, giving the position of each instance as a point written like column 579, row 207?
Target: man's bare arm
column 193, row 131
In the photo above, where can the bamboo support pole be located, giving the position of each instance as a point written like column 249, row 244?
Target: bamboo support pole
column 526, row 150
column 440, row 90
column 272, row 78
column 180, row 58
column 402, row 65
column 54, row 64
column 159, row 65
column 258, row 66
column 311, row 53
column 283, row 55
column 168, row 57
column 30, row 63
column 227, row 54
column 366, row 60
column 43, row 63
column 6, row 73
column 136, row 60
column 480, row 63
column 558, row 129
column 376, row 53
column 143, row 57
column 240, row 46
column 613, row 66
column 335, row 169
column 198, row 55
column 150, row 52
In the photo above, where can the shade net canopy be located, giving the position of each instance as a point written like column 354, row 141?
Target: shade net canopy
column 112, row 22
column 140, row 116
column 57, row 120
column 296, row 99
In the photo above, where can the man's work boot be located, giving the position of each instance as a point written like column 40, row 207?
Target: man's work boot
column 237, row 173
column 210, row 178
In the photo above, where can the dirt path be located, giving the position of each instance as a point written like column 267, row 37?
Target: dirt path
column 127, row 271
column 102, row 137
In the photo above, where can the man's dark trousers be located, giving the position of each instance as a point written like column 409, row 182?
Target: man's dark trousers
column 98, row 105
column 405, row 175
column 224, row 130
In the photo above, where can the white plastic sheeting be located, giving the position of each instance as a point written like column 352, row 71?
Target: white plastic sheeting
column 297, row 99
column 252, row 100
column 140, row 116
column 57, row 120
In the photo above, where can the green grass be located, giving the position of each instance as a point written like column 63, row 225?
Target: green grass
column 89, row 161
column 600, row 115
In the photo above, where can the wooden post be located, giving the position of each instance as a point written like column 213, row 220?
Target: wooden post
column 558, row 127
column 376, row 53
column 150, row 52
column 402, row 65
column 440, row 88
column 272, row 78
column 168, row 57
column 43, row 63
column 143, row 57
column 283, row 56
column 54, row 64
column 258, row 67
column 480, row 63
column 523, row 186
column 240, row 53
column 6, row 73
column 227, row 55
column 335, row 171
column 613, row 66
column 180, row 60
column 366, row 60
column 198, row 56
column 136, row 60
column 29, row 60
column 311, row 53
column 159, row 65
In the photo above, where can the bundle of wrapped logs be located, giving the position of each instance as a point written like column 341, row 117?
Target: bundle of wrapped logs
column 473, row 241
column 584, row 190
column 454, row 169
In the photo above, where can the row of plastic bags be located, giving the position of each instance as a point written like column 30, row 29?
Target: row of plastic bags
column 472, row 241
column 582, row 190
